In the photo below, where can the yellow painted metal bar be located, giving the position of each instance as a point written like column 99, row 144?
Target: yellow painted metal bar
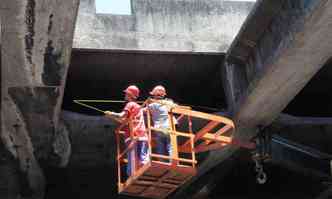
column 88, row 106
column 96, row 109
column 202, row 115
column 106, row 101
column 168, row 157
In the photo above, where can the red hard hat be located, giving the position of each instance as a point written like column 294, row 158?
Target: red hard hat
column 158, row 91
column 132, row 90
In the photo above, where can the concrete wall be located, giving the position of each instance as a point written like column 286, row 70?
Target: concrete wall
column 165, row 25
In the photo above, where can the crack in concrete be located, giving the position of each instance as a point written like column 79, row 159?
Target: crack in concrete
column 30, row 23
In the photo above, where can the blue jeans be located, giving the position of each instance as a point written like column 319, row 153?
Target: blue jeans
column 163, row 145
column 141, row 150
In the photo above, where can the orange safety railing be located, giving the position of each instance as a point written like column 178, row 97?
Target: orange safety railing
column 212, row 131
column 176, row 161
column 197, row 132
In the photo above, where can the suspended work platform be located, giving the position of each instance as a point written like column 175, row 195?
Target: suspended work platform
column 196, row 132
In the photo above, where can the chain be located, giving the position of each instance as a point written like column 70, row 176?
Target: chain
column 261, row 154
column 261, row 176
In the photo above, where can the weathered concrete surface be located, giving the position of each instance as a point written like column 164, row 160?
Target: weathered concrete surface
column 36, row 41
column 9, row 175
column 280, row 47
column 288, row 54
column 91, row 166
column 0, row 32
column 164, row 25
column 92, row 140
column 61, row 146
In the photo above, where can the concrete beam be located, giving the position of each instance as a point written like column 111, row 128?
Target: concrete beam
column 300, row 158
column 92, row 140
column 308, row 131
column 290, row 43
column 286, row 57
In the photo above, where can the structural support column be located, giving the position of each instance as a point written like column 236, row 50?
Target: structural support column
column 36, row 45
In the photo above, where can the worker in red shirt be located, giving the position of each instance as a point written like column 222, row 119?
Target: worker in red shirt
column 134, row 111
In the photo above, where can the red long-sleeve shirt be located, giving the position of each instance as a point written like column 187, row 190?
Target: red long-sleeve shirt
column 135, row 112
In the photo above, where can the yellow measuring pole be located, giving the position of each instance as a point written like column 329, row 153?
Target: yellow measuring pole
column 80, row 102
column 83, row 103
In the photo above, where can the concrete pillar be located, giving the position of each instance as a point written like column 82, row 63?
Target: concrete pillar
column 37, row 38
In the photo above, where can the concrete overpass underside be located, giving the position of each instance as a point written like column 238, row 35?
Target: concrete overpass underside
column 275, row 79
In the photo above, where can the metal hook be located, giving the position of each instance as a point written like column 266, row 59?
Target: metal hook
column 261, row 177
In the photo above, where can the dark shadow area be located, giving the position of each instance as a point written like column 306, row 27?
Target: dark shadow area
column 82, row 183
column 240, row 183
column 233, row 179
column 315, row 99
column 190, row 78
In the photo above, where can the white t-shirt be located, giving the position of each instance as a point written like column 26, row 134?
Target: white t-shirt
column 159, row 113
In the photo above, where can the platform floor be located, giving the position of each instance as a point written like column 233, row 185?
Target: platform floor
column 156, row 180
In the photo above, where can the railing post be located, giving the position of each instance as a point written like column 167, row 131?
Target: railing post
column 174, row 142
column 132, row 152
column 149, row 134
column 118, row 152
column 193, row 157
column 331, row 167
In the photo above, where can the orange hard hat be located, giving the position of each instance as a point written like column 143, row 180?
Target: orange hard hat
column 132, row 90
column 158, row 91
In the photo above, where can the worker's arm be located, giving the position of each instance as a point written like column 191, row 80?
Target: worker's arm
column 114, row 114
column 119, row 117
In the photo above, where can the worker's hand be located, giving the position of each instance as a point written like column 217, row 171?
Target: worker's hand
column 109, row 113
